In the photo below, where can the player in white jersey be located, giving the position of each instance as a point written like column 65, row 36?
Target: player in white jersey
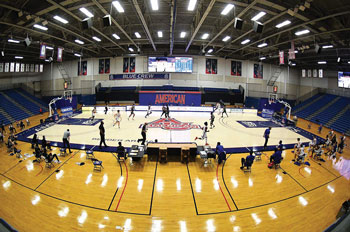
column 118, row 118
column 205, row 131
column 149, row 111
column 93, row 113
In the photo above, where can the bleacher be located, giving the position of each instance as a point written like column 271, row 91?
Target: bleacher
column 23, row 107
column 342, row 124
column 326, row 115
column 315, row 106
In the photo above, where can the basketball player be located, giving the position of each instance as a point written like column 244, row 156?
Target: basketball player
column 143, row 134
column 132, row 112
column 224, row 111
column 118, row 118
column 149, row 111
column 212, row 118
column 204, row 136
column 267, row 136
column 106, row 109
column 163, row 111
column 93, row 113
column 167, row 111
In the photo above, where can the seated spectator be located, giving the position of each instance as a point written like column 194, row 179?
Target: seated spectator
column 27, row 121
column 121, row 151
column 1, row 137
column 301, row 155
column 341, row 144
column 45, row 144
column 276, row 158
column 49, row 157
column 248, row 161
column 317, row 152
column 34, row 140
column 312, row 145
column 12, row 129
column 297, row 148
column 221, row 153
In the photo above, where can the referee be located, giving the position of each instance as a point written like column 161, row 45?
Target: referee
column 66, row 136
column 102, row 135
column 143, row 134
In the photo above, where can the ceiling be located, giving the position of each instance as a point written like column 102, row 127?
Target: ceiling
column 328, row 23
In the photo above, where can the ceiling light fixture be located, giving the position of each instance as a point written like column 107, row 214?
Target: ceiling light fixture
column 226, row 38
column 62, row 20
column 78, row 41
column 262, row 58
column 49, row 48
column 191, row 5
column 183, row 34
column 117, row 6
column 13, row 41
column 227, row 9
column 154, row 4
column 245, row 41
column 76, row 54
column 322, row 62
column 303, row 32
column 210, row 50
column 19, row 57
column 116, row 36
column 131, row 49
column 86, row 12
column 258, row 16
column 40, row 27
column 137, row 35
column 262, row 45
column 160, row 34
column 327, row 46
column 205, row 36
column 96, row 38
column 285, row 23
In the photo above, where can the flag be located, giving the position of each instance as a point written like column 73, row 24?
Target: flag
column 292, row 51
column 59, row 54
column 281, row 53
column 43, row 51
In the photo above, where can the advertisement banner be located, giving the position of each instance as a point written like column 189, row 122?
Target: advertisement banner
column 315, row 73
column 139, row 76
column 126, row 65
column 132, row 65
column 258, row 71
column 208, row 66
column 175, row 98
column 107, row 66
column 101, row 66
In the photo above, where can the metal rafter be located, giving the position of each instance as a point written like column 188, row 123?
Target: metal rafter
column 142, row 19
column 45, row 34
column 210, row 6
column 292, row 28
column 115, row 23
column 77, row 18
column 172, row 25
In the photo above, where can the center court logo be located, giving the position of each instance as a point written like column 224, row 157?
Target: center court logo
column 171, row 124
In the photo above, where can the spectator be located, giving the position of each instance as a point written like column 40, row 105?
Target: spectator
column 34, row 140
column 49, row 157
column 221, row 153
column 21, row 124
column 341, row 144
column 27, row 121
column 45, row 144
column 1, row 137
column 248, row 161
column 297, row 148
column 121, row 151
column 280, row 146
column 12, row 129
column 276, row 158
column 66, row 136
column 41, row 110
column 320, row 129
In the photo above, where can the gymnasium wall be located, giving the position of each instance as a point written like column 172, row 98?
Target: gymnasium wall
column 15, row 80
column 53, row 84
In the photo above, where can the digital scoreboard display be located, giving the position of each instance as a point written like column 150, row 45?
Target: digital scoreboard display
column 344, row 79
column 170, row 64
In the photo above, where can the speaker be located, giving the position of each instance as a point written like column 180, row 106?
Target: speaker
column 27, row 42
column 317, row 49
column 238, row 23
column 87, row 23
column 107, row 21
column 258, row 27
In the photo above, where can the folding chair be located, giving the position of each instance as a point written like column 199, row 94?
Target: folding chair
column 257, row 156
column 97, row 164
column 63, row 152
column 90, row 154
column 49, row 164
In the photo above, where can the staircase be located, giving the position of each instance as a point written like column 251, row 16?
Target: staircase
column 63, row 72
column 16, row 104
column 274, row 77
column 329, row 123
column 307, row 105
column 323, row 108
column 6, row 115
column 44, row 107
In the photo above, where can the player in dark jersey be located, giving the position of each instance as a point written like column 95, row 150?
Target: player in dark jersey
column 163, row 111
column 212, row 118
column 224, row 111
column 167, row 111
column 132, row 112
